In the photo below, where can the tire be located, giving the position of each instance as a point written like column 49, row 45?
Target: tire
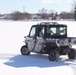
column 53, row 55
column 24, row 50
column 72, row 54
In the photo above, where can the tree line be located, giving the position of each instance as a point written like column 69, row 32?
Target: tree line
column 42, row 14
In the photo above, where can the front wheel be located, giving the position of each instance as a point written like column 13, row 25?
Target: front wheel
column 24, row 50
column 53, row 55
column 72, row 54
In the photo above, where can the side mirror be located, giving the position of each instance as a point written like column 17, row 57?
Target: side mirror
column 26, row 36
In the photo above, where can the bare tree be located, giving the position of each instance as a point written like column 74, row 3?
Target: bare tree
column 16, row 15
column 63, row 15
column 26, row 15
column 19, row 15
column 43, row 12
column 74, row 9
column 73, row 5
column 53, row 14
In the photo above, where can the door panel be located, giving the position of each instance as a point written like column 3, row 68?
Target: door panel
column 31, row 43
column 31, row 38
column 39, row 44
column 39, row 39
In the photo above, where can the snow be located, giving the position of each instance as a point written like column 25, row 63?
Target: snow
column 13, row 63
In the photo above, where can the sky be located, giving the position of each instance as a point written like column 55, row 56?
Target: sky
column 33, row 6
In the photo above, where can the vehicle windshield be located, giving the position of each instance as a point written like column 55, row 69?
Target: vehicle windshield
column 57, row 31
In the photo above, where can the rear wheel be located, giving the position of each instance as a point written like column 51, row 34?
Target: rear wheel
column 72, row 54
column 24, row 50
column 53, row 55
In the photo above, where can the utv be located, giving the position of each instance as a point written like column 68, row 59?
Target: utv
column 49, row 38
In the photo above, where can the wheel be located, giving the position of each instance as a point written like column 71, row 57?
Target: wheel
column 53, row 55
column 72, row 54
column 24, row 50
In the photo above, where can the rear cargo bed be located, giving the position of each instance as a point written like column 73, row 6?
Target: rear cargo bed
column 67, row 41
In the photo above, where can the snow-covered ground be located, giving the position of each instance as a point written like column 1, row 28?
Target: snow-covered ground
column 13, row 63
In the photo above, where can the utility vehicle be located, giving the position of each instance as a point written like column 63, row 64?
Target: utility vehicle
column 49, row 38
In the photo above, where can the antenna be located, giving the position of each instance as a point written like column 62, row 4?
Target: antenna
column 23, row 9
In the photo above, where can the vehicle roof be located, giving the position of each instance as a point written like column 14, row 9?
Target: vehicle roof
column 53, row 24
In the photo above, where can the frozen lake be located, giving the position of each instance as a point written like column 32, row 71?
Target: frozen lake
column 13, row 63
